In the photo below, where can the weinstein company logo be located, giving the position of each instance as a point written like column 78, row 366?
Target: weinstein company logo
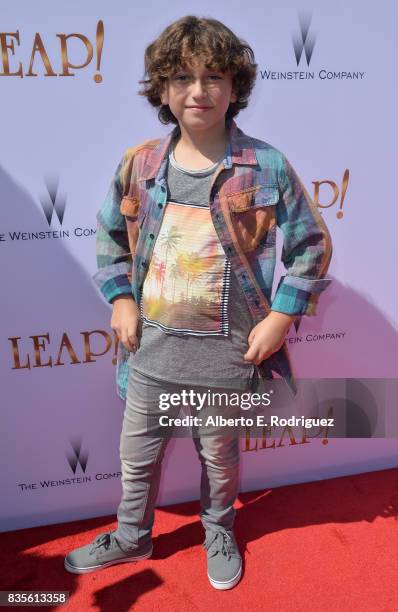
column 53, row 205
column 76, row 458
column 303, row 46
column 52, row 202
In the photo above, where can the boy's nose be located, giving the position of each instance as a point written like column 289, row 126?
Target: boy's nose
column 199, row 88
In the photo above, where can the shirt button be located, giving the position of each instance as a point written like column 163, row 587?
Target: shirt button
column 143, row 263
column 217, row 217
column 151, row 236
column 160, row 205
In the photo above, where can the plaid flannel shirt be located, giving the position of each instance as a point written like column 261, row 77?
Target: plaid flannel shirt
column 254, row 190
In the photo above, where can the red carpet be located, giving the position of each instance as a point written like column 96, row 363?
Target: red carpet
column 328, row 545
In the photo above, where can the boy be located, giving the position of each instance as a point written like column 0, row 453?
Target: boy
column 186, row 255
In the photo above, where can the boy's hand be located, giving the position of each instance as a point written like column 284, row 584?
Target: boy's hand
column 125, row 320
column 268, row 336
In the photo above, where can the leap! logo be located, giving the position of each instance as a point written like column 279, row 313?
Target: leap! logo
column 8, row 41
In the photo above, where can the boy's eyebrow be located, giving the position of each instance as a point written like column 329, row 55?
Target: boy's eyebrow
column 187, row 69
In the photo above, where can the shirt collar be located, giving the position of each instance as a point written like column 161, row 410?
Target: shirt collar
column 239, row 150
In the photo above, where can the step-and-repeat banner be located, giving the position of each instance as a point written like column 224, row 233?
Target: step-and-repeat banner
column 326, row 97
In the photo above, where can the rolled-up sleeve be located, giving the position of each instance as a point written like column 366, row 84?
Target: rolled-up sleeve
column 307, row 246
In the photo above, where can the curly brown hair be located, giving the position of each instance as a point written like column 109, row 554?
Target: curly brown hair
column 207, row 40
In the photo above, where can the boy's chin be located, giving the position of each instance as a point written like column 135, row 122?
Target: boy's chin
column 201, row 121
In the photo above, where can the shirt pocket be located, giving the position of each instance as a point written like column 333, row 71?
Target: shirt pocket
column 253, row 214
column 130, row 208
column 134, row 209
column 257, row 196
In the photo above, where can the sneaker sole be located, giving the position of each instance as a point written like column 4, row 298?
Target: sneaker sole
column 85, row 570
column 222, row 586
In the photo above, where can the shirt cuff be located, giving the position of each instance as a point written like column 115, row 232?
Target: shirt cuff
column 297, row 295
column 114, row 280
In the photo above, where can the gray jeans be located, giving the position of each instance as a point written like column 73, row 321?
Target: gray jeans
column 142, row 445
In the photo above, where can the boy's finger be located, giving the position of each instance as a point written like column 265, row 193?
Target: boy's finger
column 127, row 342
column 134, row 340
column 250, row 354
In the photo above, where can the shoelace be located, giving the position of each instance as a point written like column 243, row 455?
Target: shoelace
column 101, row 540
column 222, row 542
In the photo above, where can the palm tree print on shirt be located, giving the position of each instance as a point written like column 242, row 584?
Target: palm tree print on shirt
column 185, row 282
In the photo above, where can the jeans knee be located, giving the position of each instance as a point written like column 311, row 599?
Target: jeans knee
column 218, row 454
column 219, row 460
column 137, row 457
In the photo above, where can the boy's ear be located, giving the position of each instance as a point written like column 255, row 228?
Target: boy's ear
column 234, row 96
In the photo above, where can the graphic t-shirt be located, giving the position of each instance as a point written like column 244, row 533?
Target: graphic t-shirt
column 186, row 290
column 195, row 319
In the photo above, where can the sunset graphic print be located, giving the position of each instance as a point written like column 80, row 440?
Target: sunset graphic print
column 186, row 288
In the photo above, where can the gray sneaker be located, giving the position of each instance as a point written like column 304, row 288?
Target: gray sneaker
column 102, row 552
column 224, row 563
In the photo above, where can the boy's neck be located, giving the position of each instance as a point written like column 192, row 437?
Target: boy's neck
column 200, row 146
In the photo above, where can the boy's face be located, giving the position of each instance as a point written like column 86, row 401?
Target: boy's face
column 198, row 97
